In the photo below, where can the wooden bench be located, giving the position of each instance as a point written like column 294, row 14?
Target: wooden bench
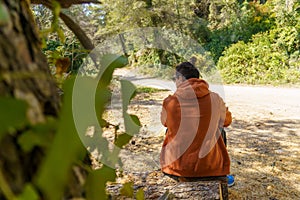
column 194, row 182
column 223, row 186
column 157, row 185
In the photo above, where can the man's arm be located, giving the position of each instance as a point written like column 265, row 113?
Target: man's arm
column 164, row 113
column 228, row 118
column 163, row 116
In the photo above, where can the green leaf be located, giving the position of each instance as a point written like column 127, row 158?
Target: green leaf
column 122, row 140
column 29, row 193
column 4, row 15
column 56, row 8
column 109, row 63
column 96, row 182
column 132, row 123
column 61, row 35
column 102, row 97
column 39, row 135
column 30, row 139
column 88, row 110
column 12, row 115
column 127, row 190
column 128, row 92
column 64, row 151
column 140, row 194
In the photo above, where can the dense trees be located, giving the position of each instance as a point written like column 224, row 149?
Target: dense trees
column 268, row 57
column 216, row 25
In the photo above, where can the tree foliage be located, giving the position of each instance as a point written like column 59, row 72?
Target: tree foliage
column 129, row 15
column 216, row 25
column 237, row 22
column 270, row 57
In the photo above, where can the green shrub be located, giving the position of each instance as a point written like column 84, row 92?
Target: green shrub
column 71, row 49
column 271, row 57
column 156, row 62
column 245, row 20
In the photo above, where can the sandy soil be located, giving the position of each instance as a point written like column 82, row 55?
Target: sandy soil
column 263, row 140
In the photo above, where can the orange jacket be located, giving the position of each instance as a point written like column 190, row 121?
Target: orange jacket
column 193, row 146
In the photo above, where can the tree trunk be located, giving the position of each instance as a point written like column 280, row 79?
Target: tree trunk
column 23, row 67
column 24, row 74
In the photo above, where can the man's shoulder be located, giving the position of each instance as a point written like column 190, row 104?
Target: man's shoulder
column 170, row 98
column 214, row 94
column 216, row 98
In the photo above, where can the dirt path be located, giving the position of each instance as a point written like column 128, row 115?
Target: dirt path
column 263, row 140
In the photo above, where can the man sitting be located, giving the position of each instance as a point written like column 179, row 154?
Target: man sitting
column 194, row 116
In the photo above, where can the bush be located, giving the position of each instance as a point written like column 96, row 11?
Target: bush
column 156, row 62
column 271, row 57
column 245, row 20
column 56, row 50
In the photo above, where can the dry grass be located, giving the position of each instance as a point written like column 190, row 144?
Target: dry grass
column 265, row 156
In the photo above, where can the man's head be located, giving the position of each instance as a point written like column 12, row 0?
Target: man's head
column 185, row 71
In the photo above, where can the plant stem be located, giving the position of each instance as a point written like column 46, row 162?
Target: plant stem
column 4, row 187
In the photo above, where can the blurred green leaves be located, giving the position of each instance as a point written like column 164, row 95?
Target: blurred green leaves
column 140, row 194
column 38, row 135
column 12, row 115
column 28, row 193
column 96, row 182
column 84, row 104
column 4, row 15
column 108, row 63
column 132, row 123
column 127, row 190
column 66, row 149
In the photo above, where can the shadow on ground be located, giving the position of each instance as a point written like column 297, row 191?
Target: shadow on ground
column 265, row 159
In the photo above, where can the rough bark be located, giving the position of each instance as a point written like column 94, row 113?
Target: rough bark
column 24, row 74
column 23, row 67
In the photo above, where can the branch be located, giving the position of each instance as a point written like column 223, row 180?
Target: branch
column 73, row 26
column 65, row 3
column 80, row 34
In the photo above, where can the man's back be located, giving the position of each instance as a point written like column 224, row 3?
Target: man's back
column 193, row 146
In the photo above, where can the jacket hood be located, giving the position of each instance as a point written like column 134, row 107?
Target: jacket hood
column 192, row 88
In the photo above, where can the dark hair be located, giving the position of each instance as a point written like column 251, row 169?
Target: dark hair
column 187, row 70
